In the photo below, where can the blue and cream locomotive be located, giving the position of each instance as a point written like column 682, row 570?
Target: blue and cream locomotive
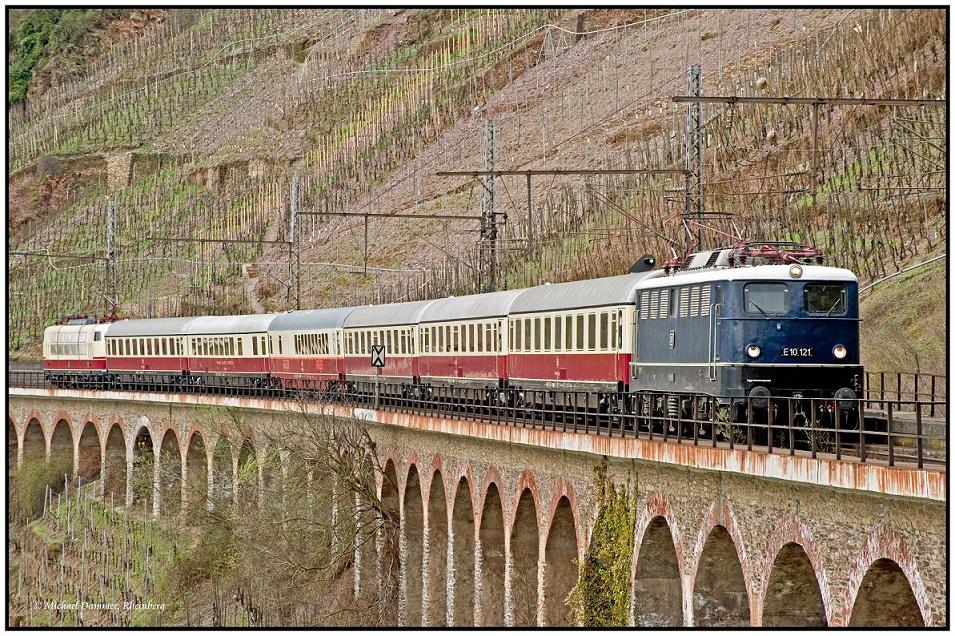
column 749, row 322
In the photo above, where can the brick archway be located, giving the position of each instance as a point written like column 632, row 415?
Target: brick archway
column 658, row 557
column 791, row 530
column 719, row 515
column 885, row 543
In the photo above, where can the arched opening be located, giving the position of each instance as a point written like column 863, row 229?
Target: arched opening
column 272, row 475
column 437, row 553
column 793, row 598
column 89, row 454
column 367, row 528
column 524, row 551
column 391, row 524
column 142, row 474
column 114, row 481
column 196, row 489
column 247, row 484
column 61, row 445
column 885, row 599
column 170, row 474
column 12, row 441
column 462, row 528
column 719, row 592
column 414, row 539
column 222, row 486
column 492, row 559
column 561, row 569
column 656, row 585
column 34, row 443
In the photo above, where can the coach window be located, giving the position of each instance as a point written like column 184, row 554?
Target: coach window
column 165, row 347
column 156, row 346
column 604, row 331
column 591, row 332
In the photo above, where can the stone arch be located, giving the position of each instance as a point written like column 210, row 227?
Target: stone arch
column 367, row 529
column 525, row 552
column 885, row 598
column 657, row 582
column 462, row 531
column 492, row 558
column 792, row 530
column 719, row 588
column 413, row 543
column 884, row 544
column 89, row 453
column 246, row 482
column 114, row 464
column 196, row 488
column 792, row 597
column 390, row 528
column 437, row 552
column 270, row 468
column 222, row 490
column 169, row 484
column 143, row 472
column 61, row 442
column 34, row 441
column 13, row 442
column 561, row 570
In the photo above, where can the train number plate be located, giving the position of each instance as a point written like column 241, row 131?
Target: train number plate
column 797, row 352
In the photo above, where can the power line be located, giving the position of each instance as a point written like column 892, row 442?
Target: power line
column 807, row 101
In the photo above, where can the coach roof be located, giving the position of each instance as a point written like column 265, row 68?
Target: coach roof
column 311, row 319
column 597, row 292
column 148, row 327
column 253, row 323
column 473, row 307
column 386, row 315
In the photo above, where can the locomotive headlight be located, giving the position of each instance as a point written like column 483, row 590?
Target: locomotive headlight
column 753, row 351
column 795, row 271
column 839, row 352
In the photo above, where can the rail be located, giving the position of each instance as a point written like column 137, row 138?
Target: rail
column 838, row 429
column 900, row 389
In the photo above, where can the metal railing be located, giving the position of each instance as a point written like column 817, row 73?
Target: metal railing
column 810, row 427
column 905, row 389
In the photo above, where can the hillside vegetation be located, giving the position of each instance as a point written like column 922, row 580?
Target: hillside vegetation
column 197, row 123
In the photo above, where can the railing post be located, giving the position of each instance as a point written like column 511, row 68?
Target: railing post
column 861, row 416
column 932, row 406
column 891, row 443
column 838, row 425
column 749, row 423
column 918, row 437
column 713, row 427
column 789, row 419
column 881, row 389
column 812, row 428
column 769, row 425
column 696, row 418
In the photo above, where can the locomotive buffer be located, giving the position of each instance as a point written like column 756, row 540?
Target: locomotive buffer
column 377, row 361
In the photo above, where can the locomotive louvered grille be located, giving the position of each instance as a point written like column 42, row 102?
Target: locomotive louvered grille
column 654, row 305
column 644, row 305
column 695, row 301
column 664, row 303
column 684, row 302
column 705, row 301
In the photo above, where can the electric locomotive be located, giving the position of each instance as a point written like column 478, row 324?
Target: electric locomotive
column 752, row 321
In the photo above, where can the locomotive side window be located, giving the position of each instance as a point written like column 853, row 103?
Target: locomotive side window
column 766, row 298
column 826, row 299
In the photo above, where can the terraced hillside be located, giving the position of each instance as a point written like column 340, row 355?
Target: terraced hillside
column 205, row 122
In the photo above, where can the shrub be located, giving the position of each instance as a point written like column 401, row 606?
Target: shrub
column 29, row 483
column 48, row 165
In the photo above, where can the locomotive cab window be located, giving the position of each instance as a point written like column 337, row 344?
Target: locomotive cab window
column 826, row 299
column 766, row 298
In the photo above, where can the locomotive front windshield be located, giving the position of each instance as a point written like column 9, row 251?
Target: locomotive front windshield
column 766, row 298
column 827, row 299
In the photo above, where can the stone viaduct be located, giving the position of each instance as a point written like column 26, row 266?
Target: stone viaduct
column 494, row 519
